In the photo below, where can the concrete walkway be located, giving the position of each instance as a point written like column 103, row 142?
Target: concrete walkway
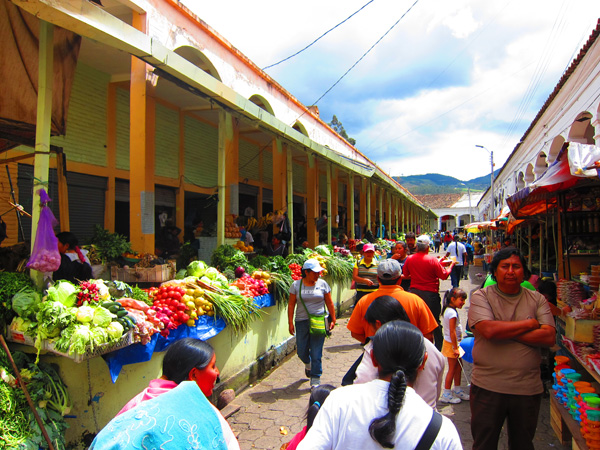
column 272, row 411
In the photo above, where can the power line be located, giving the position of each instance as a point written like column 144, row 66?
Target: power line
column 323, row 35
column 366, row 53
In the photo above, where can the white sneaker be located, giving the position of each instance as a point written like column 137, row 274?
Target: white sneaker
column 449, row 398
column 461, row 394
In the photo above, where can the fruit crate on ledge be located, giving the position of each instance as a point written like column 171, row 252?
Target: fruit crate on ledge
column 156, row 274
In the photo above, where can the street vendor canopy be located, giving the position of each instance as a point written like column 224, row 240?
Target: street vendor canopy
column 574, row 163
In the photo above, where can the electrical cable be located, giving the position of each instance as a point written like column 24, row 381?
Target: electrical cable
column 361, row 58
column 472, row 40
column 323, row 35
column 536, row 79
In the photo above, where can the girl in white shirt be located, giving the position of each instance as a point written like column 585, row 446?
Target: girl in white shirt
column 385, row 412
column 454, row 299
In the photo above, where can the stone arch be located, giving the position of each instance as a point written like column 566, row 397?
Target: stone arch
column 197, row 58
column 541, row 164
column 261, row 102
column 300, row 128
column 581, row 129
column 555, row 147
column 529, row 174
column 520, row 181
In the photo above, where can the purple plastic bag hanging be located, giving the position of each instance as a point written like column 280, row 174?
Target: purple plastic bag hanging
column 45, row 256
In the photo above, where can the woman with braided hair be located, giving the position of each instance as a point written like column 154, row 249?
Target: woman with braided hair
column 386, row 412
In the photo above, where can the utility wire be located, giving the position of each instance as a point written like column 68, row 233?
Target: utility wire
column 364, row 54
column 323, row 35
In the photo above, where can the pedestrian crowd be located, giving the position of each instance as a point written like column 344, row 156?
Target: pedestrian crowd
column 388, row 396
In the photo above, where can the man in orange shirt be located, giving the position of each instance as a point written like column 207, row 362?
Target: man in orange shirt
column 389, row 275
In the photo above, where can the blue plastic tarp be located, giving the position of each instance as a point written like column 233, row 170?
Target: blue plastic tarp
column 206, row 328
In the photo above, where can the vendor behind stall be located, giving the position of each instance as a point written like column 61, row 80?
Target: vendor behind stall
column 74, row 264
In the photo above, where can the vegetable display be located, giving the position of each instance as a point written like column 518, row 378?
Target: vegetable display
column 19, row 427
column 10, row 284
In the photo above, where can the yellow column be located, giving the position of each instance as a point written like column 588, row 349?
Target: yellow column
column 43, row 126
column 335, row 184
column 232, row 158
column 350, row 204
column 389, row 200
column 290, row 195
column 362, row 212
column 141, row 153
column 330, row 219
column 279, row 177
column 368, row 207
column 381, row 222
column 312, row 201
column 227, row 170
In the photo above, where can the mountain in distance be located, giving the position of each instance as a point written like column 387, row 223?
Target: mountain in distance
column 435, row 183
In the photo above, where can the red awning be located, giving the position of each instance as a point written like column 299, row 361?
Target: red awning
column 574, row 163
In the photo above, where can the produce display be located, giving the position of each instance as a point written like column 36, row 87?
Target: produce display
column 19, row 427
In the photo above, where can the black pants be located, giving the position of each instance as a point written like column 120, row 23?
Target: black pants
column 434, row 302
column 490, row 409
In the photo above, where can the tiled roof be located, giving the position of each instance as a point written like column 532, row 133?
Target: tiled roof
column 438, row 201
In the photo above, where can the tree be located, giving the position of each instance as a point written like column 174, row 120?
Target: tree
column 339, row 129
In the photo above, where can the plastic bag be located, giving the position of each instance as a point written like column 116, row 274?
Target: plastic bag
column 45, row 256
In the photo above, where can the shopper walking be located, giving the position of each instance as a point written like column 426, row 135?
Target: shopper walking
column 310, row 295
column 457, row 252
column 425, row 272
column 364, row 273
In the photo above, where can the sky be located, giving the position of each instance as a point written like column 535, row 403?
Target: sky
column 447, row 76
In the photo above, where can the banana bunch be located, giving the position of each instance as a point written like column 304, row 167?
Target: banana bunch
column 263, row 222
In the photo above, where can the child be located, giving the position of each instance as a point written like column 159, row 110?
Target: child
column 317, row 397
column 454, row 299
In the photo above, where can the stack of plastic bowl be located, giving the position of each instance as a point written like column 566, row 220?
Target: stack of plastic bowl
column 560, row 363
column 562, row 386
column 572, row 406
column 591, row 430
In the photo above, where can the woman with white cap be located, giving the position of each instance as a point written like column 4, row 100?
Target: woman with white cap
column 314, row 294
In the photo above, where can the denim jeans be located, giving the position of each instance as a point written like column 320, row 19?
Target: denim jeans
column 456, row 275
column 309, row 347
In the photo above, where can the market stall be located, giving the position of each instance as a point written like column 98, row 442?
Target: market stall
column 107, row 337
column 563, row 206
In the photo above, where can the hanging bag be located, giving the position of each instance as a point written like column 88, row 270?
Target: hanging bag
column 45, row 256
column 318, row 324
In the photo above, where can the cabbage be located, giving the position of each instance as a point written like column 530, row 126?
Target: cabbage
column 181, row 274
column 20, row 324
column 196, row 268
column 85, row 314
column 64, row 292
column 115, row 330
column 212, row 273
column 81, row 339
column 26, row 303
column 102, row 317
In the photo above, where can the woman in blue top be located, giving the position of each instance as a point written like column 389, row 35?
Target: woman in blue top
column 316, row 295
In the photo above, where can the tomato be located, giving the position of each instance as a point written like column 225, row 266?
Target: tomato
column 176, row 295
column 181, row 290
column 181, row 307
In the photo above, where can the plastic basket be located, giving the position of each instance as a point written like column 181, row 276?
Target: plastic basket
column 126, row 340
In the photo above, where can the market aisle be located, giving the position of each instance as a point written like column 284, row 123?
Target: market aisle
column 279, row 401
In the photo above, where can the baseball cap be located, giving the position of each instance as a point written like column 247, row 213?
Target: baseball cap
column 312, row 264
column 423, row 239
column 389, row 269
column 368, row 248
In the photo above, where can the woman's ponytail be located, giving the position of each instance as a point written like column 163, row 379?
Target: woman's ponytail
column 399, row 350
column 383, row 429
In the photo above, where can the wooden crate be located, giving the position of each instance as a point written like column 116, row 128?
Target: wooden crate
column 156, row 274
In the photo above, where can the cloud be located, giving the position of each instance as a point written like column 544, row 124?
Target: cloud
column 449, row 76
